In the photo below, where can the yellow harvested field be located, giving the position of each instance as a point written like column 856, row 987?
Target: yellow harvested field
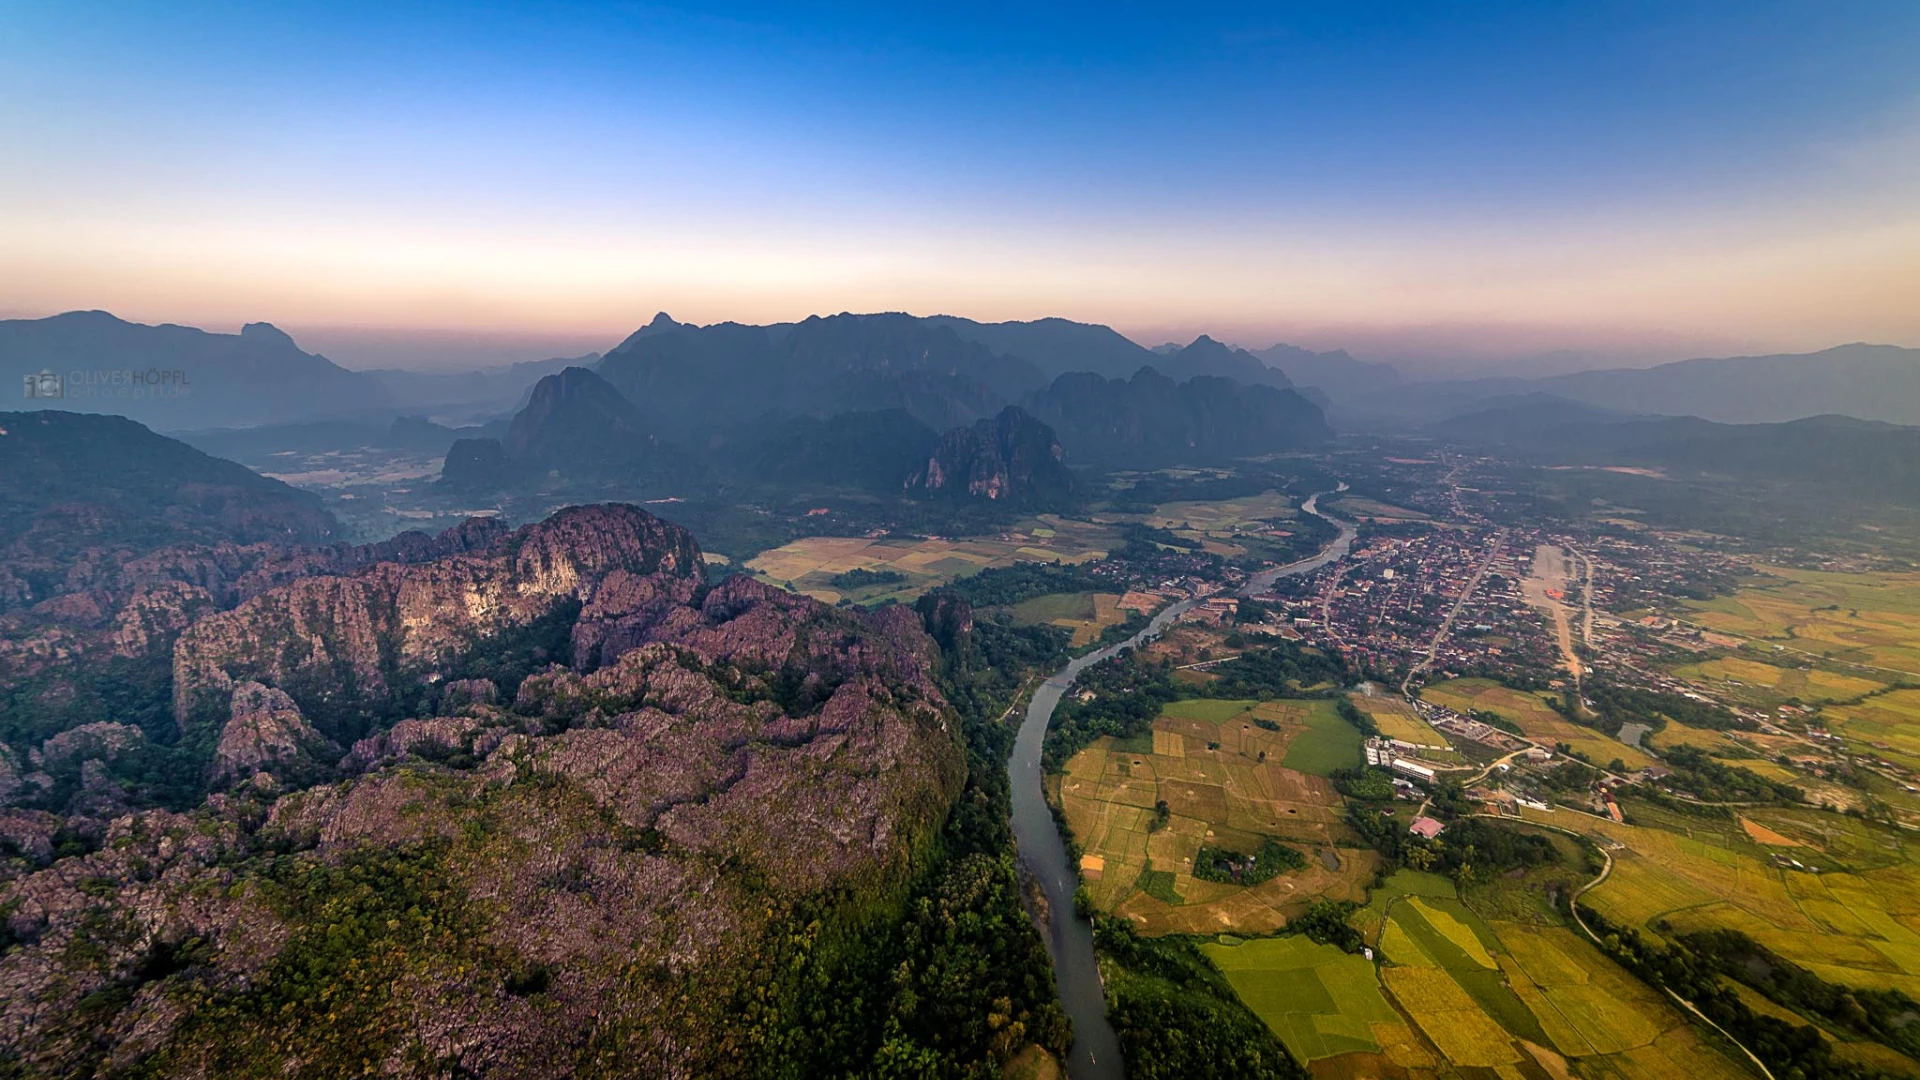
column 1402, row 949
column 1371, row 510
column 1400, row 1045
column 1530, row 712
column 1518, row 999
column 1084, row 614
column 1887, row 726
column 1464, row 1033
column 1455, row 931
column 1786, row 681
column 807, row 565
column 1854, row 928
column 1763, row 835
column 1679, row 1054
column 1224, row 515
column 1397, row 720
column 1869, row 618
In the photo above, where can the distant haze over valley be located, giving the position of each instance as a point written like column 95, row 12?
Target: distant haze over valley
column 264, row 375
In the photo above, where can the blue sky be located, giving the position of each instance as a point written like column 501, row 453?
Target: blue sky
column 1420, row 180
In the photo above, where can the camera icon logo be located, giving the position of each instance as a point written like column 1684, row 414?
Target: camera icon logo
column 47, row 384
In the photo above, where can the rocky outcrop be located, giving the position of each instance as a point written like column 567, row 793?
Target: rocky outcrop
column 1012, row 458
column 113, row 606
column 266, row 734
column 103, row 740
column 476, row 466
column 352, row 649
column 521, row 891
column 575, row 429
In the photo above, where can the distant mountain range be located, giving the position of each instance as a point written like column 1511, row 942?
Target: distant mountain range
column 70, row 482
column 727, row 382
column 1867, row 382
column 1152, row 420
column 882, row 403
column 575, row 427
column 479, row 392
column 176, row 378
column 1841, row 455
column 694, row 381
column 1338, row 375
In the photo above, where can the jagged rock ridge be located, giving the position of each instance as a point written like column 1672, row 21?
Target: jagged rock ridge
column 1012, row 457
column 586, row 876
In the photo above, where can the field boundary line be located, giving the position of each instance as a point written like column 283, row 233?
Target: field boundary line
column 1574, row 906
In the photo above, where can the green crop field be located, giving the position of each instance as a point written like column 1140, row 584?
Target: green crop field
column 1744, row 679
column 1328, row 743
column 1319, row 1000
column 1211, row 710
column 1086, row 614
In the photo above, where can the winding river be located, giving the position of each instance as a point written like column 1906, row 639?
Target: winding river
column 1096, row 1050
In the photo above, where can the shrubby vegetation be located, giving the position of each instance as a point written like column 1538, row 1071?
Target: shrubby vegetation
column 1128, row 691
column 1790, row 1050
column 1613, row 706
column 958, row 979
column 1177, row 1017
column 1325, row 921
column 1008, row 585
column 861, row 577
column 1706, row 778
column 1351, row 714
column 1883, row 1015
column 1233, row 868
column 1471, row 849
column 1367, row 782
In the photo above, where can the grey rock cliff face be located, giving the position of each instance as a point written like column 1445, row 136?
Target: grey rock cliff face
column 516, row 888
column 265, row 734
column 1012, row 457
column 344, row 647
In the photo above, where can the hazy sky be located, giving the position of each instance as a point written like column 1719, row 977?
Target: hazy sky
column 1415, row 181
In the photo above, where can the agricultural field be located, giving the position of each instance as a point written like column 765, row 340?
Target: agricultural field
column 1397, row 720
column 1232, row 527
column 1853, row 922
column 1327, row 743
column 1530, row 711
column 1490, row 982
column 1224, row 516
column 1752, row 682
column 1186, row 643
column 1359, row 509
column 1749, row 750
column 1319, row 1000
column 1869, row 619
column 1086, row 614
column 1228, row 782
column 1887, row 725
column 808, row 565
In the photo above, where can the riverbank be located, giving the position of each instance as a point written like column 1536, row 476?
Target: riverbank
column 1095, row 1054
